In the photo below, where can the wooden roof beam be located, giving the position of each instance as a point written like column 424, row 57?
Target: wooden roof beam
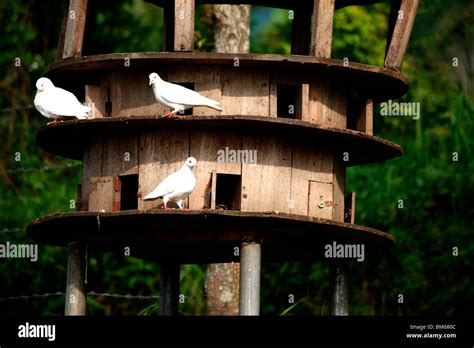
column 321, row 32
column 179, row 26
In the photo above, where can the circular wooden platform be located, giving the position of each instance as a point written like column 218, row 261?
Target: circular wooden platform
column 67, row 138
column 204, row 236
column 376, row 82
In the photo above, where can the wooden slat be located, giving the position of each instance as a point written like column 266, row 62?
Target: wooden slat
column 204, row 147
column 75, row 28
column 244, row 94
column 206, row 80
column 136, row 101
column 101, row 196
column 401, row 34
column 120, row 154
column 91, row 167
column 339, row 180
column 213, row 189
column 310, row 162
column 320, row 200
column 161, row 153
column 266, row 185
column 392, row 19
column 350, row 208
column 365, row 120
column 327, row 103
column 96, row 98
column 179, row 26
column 62, row 34
column 321, row 35
column 301, row 30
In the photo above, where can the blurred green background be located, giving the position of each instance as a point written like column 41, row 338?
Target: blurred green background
column 437, row 192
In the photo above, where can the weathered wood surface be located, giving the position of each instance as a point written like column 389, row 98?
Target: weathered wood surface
column 179, row 25
column 321, row 35
column 400, row 36
column 327, row 103
column 75, row 27
column 161, row 153
column 286, row 4
column 76, row 301
column 67, row 138
column 204, row 236
column 259, row 189
column 96, row 98
column 367, row 78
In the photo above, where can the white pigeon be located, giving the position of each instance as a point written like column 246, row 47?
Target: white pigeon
column 177, row 97
column 177, row 186
column 54, row 102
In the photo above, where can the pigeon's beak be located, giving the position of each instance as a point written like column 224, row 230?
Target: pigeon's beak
column 151, row 82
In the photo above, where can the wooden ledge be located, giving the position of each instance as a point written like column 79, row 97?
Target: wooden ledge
column 203, row 236
column 68, row 138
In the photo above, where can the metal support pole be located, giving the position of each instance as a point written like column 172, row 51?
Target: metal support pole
column 169, row 288
column 75, row 286
column 339, row 288
column 250, row 262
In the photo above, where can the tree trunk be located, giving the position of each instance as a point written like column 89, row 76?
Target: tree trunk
column 222, row 279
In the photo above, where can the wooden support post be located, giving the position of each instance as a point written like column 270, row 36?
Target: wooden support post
column 400, row 34
column 338, row 285
column 250, row 263
column 62, row 34
column 301, row 29
column 169, row 288
column 179, row 26
column 75, row 285
column 75, row 27
column 321, row 33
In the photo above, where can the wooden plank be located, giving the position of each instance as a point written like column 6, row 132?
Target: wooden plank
column 245, row 92
column 96, row 98
column 75, row 27
column 205, row 147
column 136, row 101
column 91, row 167
column 310, row 162
column 339, row 180
column 350, row 208
column 62, row 34
column 161, row 153
column 206, row 80
column 327, row 103
column 320, row 200
column 301, row 29
column 76, row 301
column 401, row 34
column 266, row 184
column 179, row 24
column 273, row 100
column 101, row 196
column 321, row 35
column 303, row 101
column 365, row 120
column 213, row 189
column 392, row 19
column 120, row 154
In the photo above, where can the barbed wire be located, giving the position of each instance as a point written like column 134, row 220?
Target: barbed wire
column 41, row 169
column 12, row 230
column 91, row 293
column 17, row 108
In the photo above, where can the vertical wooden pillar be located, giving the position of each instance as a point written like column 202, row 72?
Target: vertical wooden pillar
column 403, row 15
column 301, row 29
column 339, row 304
column 75, row 27
column 321, row 34
column 169, row 288
column 250, row 263
column 75, row 285
column 179, row 25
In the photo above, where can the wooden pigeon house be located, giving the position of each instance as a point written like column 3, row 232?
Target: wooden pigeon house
column 295, row 122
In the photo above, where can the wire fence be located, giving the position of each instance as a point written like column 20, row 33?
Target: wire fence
column 89, row 293
column 41, row 169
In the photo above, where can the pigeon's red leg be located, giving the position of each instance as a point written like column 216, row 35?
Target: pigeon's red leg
column 53, row 121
